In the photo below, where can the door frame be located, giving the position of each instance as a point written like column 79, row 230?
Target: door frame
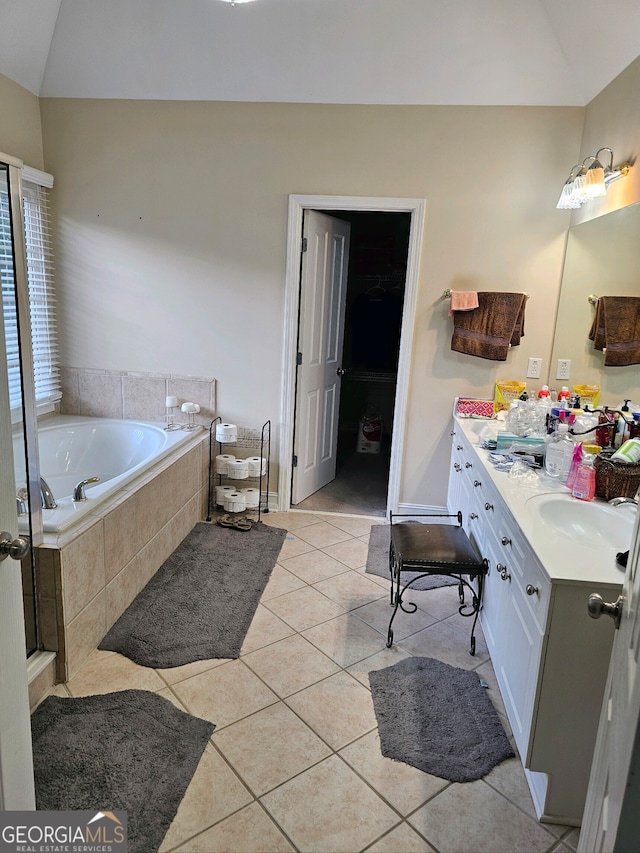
column 297, row 205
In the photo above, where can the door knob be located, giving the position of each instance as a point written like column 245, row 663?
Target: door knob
column 14, row 548
column 597, row 606
column 341, row 371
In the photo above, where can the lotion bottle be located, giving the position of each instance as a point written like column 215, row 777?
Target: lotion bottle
column 584, row 487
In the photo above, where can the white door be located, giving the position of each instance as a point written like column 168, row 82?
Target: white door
column 16, row 764
column 612, row 812
column 321, row 337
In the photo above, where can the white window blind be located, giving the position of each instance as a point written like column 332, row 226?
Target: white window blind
column 41, row 292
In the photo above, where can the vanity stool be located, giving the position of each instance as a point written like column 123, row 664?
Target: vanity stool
column 434, row 549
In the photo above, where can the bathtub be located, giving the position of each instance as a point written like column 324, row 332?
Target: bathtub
column 73, row 448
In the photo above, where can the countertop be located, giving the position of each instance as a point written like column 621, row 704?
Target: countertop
column 565, row 559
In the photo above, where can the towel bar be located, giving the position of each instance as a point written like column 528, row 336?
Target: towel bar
column 447, row 294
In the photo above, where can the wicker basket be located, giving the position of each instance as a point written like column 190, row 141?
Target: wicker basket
column 615, row 479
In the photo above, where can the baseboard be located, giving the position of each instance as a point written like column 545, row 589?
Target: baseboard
column 420, row 509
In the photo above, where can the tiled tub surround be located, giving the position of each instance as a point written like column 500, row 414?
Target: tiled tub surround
column 134, row 396
column 89, row 575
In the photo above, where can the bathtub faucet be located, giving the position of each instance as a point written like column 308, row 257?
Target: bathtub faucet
column 78, row 492
column 48, row 500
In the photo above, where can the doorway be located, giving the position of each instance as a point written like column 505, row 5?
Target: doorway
column 412, row 224
column 377, row 268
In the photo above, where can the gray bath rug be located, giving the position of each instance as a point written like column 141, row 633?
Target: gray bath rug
column 201, row 601
column 378, row 561
column 131, row 750
column 438, row 718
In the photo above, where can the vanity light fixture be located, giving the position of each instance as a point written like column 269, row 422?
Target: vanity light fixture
column 589, row 180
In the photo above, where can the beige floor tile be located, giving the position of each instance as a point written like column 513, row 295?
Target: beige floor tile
column 290, row 665
column 402, row 839
column 247, row 831
column 224, row 694
column 293, row 547
column 353, row 553
column 265, row 629
column 214, row 793
column 447, row 643
column 378, row 613
column 290, row 520
column 328, row 809
column 356, row 525
column 322, row 534
column 345, row 639
column 339, row 709
column 281, row 582
column 180, row 673
column 304, row 608
column 571, row 838
column 472, row 816
column 441, row 602
column 104, row 672
column 168, row 693
column 270, row 747
column 509, row 780
column 406, row 788
column 387, row 657
column 561, row 848
column 314, row 566
column 350, row 590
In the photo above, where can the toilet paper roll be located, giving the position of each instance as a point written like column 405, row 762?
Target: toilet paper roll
column 234, row 502
column 226, row 433
column 238, row 469
column 257, row 466
column 222, row 463
column 221, row 491
column 252, row 497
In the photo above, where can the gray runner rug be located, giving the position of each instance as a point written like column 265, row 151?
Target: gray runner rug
column 131, row 751
column 378, row 561
column 438, row 718
column 201, row 601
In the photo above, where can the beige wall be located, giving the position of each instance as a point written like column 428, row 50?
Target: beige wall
column 171, row 225
column 20, row 130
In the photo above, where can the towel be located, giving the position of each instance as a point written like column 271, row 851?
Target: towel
column 463, row 300
column 616, row 330
column 489, row 330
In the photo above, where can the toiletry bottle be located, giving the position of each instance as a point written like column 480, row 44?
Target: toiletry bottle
column 628, row 453
column 563, row 397
column 559, row 452
column 584, row 487
column 544, row 392
column 575, row 464
column 622, row 427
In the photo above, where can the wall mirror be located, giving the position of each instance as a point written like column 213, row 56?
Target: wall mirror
column 602, row 258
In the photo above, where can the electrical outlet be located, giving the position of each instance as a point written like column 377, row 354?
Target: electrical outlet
column 534, row 368
column 564, row 368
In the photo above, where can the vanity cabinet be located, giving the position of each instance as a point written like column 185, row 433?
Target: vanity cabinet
column 550, row 658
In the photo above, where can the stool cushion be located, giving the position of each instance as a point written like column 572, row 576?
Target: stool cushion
column 435, row 546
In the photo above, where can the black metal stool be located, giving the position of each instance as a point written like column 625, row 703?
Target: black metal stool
column 434, row 549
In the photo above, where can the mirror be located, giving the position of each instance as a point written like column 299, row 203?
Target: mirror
column 602, row 258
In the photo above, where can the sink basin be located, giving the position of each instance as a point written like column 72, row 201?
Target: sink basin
column 591, row 523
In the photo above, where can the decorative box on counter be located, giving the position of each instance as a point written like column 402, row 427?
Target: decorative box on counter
column 468, row 407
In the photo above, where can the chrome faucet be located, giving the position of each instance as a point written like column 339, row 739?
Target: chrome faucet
column 48, row 500
column 78, row 492
column 634, row 500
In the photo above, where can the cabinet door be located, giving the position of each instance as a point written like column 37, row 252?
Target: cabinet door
column 493, row 602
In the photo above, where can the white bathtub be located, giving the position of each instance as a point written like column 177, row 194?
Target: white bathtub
column 73, row 448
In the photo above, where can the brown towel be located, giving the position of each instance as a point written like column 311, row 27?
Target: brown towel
column 495, row 325
column 616, row 330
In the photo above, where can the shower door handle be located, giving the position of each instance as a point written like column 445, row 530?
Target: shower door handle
column 14, row 548
column 341, row 371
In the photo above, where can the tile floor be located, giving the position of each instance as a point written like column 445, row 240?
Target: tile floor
column 294, row 763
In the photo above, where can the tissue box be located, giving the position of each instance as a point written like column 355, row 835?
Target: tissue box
column 468, row 406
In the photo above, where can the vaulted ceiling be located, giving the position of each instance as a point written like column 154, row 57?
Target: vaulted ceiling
column 476, row 52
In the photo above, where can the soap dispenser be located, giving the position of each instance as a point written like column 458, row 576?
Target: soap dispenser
column 584, row 487
column 622, row 427
column 559, row 453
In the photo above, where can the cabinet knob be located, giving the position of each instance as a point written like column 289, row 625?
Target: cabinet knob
column 488, row 506
column 597, row 606
column 458, row 447
column 473, row 515
column 468, row 465
column 505, row 540
column 477, row 483
column 457, row 466
column 452, row 433
column 531, row 590
column 14, row 548
column 504, row 574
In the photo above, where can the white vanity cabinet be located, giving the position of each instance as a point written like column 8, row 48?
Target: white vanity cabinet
column 549, row 656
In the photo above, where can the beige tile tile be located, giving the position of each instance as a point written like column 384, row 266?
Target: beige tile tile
column 379, row 612
column 213, row 794
column 346, row 639
column 571, row 838
column 120, row 593
column 170, row 696
column 100, row 393
column 402, row 839
column 304, row 608
column 122, row 536
column 224, row 694
column 250, row 830
column 290, row 665
column 441, row 602
column 405, row 787
column 83, row 634
column 314, row 566
column 447, row 643
column 281, row 582
column 104, row 672
column 322, row 534
column 491, row 824
column 339, row 709
column 387, row 657
column 143, row 397
column 83, row 570
column 270, row 747
column 293, row 547
column 290, row 520
column 360, row 527
column 181, row 673
column 329, row 809
column 353, row 553
column 350, row 590
column 265, row 628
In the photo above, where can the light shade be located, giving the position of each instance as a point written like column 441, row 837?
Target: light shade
column 586, row 182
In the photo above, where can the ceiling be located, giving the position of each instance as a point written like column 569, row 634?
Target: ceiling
column 475, row 52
